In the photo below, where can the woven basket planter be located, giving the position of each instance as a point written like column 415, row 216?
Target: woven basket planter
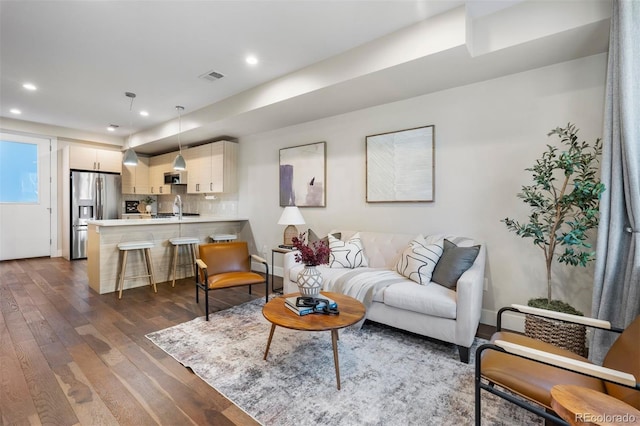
column 564, row 335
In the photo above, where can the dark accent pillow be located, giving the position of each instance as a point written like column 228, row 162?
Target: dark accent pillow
column 312, row 237
column 453, row 263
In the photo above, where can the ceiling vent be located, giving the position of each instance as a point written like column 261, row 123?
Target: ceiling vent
column 211, row 75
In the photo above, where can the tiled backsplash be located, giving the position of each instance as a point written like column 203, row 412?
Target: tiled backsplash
column 224, row 205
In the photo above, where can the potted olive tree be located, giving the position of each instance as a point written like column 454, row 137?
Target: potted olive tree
column 564, row 199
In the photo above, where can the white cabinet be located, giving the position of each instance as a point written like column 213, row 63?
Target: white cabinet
column 198, row 161
column 158, row 165
column 135, row 179
column 211, row 168
column 84, row 158
column 135, row 216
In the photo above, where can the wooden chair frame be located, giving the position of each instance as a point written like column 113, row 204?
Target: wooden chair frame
column 578, row 367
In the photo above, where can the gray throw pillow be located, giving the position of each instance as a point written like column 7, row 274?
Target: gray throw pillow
column 453, row 263
column 313, row 237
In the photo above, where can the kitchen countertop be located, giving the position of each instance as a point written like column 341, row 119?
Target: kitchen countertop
column 165, row 220
column 103, row 237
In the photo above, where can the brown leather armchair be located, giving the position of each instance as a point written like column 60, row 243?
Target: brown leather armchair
column 226, row 265
column 523, row 370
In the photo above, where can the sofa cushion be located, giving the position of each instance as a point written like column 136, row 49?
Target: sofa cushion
column 432, row 299
column 418, row 260
column 454, row 262
column 347, row 254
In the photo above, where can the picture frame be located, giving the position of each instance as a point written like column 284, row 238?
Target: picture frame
column 303, row 175
column 401, row 166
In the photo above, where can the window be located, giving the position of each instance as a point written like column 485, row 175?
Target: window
column 18, row 172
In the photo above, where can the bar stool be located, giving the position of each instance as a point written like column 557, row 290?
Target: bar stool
column 122, row 263
column 192, row 244
column 223, row 238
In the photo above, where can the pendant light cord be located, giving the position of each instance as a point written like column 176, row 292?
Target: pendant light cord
column 180, row 109
column 132, row 96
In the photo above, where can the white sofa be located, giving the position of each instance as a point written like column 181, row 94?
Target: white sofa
column 429, row 310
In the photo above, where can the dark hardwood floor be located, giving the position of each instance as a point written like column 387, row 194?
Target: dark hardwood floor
column 71, row 356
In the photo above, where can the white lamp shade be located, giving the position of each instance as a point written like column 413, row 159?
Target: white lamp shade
column 291, row 216
column 130, row 158
column 179, row 163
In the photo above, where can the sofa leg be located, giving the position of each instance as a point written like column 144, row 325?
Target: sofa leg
column 463, row 351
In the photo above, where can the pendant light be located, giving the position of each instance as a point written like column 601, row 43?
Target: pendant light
column 179, row 163
column 130, row 157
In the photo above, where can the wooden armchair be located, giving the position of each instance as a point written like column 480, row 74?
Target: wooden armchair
column 523, row 370
column 225, row 265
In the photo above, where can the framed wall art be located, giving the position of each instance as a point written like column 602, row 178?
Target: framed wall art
column 303, row 175
column 400, row 166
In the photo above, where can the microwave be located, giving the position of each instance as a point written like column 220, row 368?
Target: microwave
column 175, row 178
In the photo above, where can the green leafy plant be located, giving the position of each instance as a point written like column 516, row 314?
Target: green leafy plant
column 148, row 200
column 564, row 200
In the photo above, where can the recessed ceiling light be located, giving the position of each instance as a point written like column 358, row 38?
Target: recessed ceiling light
column 251, row 60
column 112, row 127
column 29, row 86
column 15, row 111
column 144, row 113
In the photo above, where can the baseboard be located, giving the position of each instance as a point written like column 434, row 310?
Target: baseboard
column 510, row 321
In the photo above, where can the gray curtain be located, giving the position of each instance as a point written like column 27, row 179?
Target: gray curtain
column 616, row 292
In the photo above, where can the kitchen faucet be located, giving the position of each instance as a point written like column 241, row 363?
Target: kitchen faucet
column 178, row 202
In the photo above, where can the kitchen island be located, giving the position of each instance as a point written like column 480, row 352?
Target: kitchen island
column 105, row 235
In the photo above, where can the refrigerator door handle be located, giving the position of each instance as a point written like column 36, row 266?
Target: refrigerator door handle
column 99, row 206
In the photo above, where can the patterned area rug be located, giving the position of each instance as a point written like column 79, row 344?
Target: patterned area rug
column 388, row 377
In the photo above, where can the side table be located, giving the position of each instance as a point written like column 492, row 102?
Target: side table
column 283, row 251
column 583, row 406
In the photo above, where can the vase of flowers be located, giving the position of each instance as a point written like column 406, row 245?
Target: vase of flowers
column 314, row 254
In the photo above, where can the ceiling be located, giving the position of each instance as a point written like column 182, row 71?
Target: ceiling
column 83, row 57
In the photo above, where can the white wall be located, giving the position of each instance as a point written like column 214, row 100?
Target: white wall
column 486, row 135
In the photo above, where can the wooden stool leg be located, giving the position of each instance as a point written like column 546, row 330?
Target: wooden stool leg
column 152, row 277
column 176, row 248
column 193, row 252
column 118, row 270
column 123, row 272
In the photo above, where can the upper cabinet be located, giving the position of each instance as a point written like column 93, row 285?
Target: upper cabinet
column 83, row 158
column 211, row 168
column 135, row 179
column 158, row 165
column 198, row 163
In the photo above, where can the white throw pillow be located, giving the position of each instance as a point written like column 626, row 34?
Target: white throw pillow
column 347, row 254
column 419, row 259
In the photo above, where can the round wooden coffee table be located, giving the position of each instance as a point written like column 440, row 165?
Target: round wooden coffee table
column 351, row 311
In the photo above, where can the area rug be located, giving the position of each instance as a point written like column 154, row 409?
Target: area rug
column 388, row 377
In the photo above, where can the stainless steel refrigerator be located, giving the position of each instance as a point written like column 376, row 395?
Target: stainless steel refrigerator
column 94, row 196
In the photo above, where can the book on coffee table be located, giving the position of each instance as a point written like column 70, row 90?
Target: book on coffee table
column 299, row 311
column 290, row 302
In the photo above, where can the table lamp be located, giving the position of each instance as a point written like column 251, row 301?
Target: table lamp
column 291, row 216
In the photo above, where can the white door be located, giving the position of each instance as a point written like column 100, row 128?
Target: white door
column 25, row 196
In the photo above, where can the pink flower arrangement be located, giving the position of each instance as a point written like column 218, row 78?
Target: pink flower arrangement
column 311, row 255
